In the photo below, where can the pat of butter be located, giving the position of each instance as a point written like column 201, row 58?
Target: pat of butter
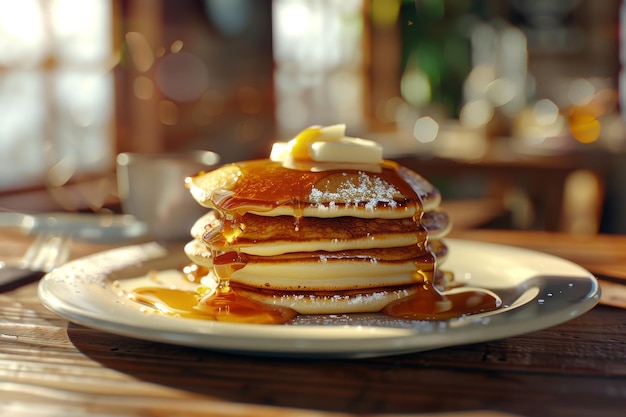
column 351, row 150
column 280, row 151
column 332, row 133
column 327, row 145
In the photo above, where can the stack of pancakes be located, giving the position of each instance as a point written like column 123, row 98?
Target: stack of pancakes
column 319, row 242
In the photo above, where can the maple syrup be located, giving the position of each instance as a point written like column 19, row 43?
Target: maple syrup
column 220, row 304
column 251, row 187
column 430, row 304
column 257, row 179
column 225, row 304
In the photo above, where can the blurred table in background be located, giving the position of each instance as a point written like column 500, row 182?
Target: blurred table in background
column 554, row 192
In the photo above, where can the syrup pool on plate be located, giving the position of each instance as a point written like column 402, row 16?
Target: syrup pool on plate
column 433, row 305
column 182, row 295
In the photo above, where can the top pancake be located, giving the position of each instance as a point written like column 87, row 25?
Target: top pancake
column 266, row 188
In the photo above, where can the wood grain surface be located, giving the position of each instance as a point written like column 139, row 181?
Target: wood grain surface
column 51, row 367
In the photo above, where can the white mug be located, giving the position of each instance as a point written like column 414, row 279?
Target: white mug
column 152, row 188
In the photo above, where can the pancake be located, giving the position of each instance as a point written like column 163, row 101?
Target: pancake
column 348, row 234
column 331, row 302
column 267, row 188
column 337, row 301
column 198, row 253
column 267, row 236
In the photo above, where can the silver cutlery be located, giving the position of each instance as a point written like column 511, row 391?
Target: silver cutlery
column 53, row 234
column 45, row 253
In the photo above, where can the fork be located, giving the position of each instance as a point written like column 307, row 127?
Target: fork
column 45, row 253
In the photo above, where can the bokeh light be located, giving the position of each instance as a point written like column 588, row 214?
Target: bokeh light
column 545, row 112
column 426, row 129
column 580, row 92
column 415, row 87
column 584, row 126
column 140, row 51
column 476, row 113
column 143, row 88
column 182, row 76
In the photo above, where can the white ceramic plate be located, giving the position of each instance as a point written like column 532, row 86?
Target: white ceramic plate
column 539, row 291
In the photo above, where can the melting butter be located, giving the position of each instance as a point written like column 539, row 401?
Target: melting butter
column 327, row 145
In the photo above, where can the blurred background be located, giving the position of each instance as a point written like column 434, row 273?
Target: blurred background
column 512, row 108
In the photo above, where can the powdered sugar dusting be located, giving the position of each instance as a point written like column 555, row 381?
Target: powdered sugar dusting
column 95, row 269
column 367, row 190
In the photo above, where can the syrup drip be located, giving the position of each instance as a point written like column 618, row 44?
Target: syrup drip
column 227, row 305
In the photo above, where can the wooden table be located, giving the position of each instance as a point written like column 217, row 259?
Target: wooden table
column 51, row 367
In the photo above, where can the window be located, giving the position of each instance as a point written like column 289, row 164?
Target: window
column 56, row 91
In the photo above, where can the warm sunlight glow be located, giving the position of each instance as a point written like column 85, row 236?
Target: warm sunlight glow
column 56, row 90
column 22, row 37
column 318, row 51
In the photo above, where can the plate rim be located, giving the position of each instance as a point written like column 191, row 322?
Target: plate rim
column 314, row 341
